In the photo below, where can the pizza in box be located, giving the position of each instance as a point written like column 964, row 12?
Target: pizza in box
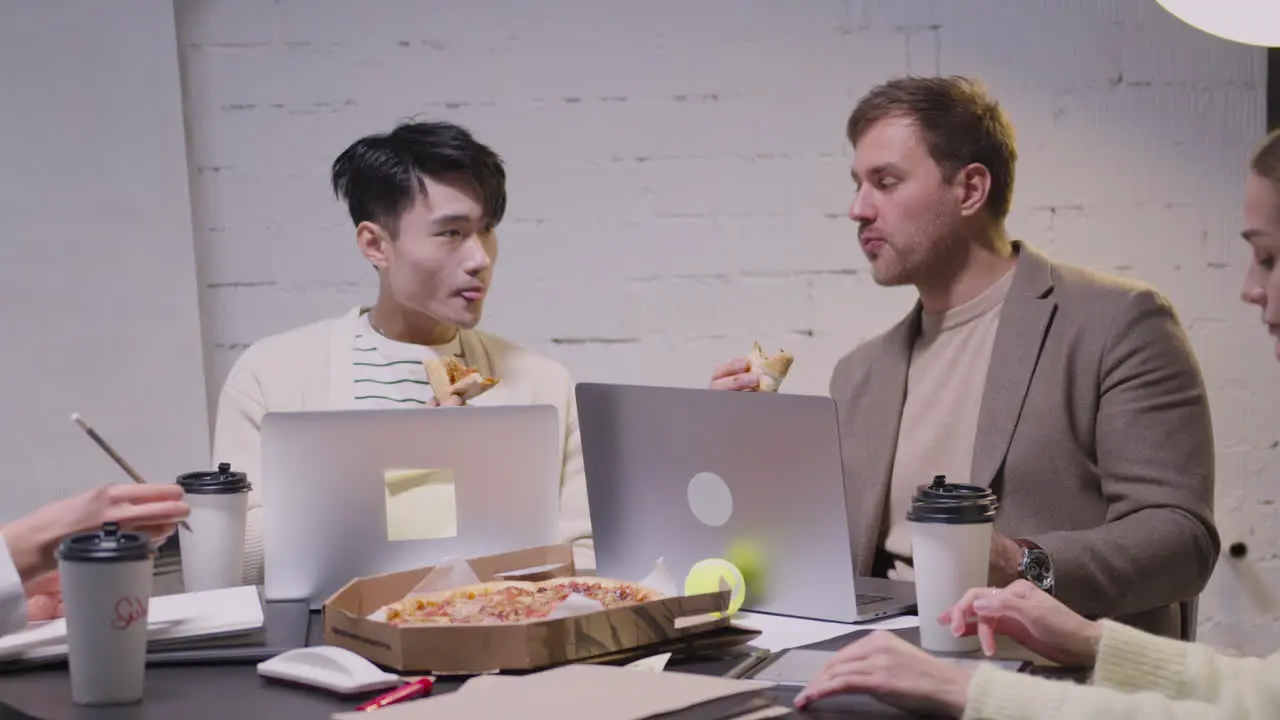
column 512, row 601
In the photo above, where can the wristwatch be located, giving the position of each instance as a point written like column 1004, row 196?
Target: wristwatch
column 1036, row 567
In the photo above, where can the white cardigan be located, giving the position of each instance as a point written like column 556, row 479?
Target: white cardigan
column 309, row 368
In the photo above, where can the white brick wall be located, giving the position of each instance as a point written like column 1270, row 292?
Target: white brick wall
column 679, row 180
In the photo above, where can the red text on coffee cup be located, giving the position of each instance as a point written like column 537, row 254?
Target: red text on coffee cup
column 129, row 610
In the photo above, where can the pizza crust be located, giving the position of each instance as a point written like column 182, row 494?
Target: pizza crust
column 772, row 370
column 450, row 376
column 409, row 611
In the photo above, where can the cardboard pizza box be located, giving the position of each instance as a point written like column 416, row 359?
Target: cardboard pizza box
column 609, row 635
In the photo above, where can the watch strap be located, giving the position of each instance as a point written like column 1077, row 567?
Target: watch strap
column 1028, row 544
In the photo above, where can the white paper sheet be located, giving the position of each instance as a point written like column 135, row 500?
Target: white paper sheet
column 169, row 618
column 653, row 663
column 779, row 632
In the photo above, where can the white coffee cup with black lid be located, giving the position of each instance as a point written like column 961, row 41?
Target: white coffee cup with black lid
column 212, row 551
column 951, row 525
column 106, row 593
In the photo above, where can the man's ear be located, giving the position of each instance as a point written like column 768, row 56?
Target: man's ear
column 973, row 184
column 373, row 239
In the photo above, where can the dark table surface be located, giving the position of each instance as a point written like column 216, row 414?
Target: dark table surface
column 234, row 690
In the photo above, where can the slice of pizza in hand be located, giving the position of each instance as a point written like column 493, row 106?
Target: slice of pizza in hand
column 772, row 370
column 450, row 376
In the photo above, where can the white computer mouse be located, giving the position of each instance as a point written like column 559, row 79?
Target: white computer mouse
column 331, row 668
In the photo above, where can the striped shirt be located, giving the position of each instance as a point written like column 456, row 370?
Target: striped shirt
column 389, row 373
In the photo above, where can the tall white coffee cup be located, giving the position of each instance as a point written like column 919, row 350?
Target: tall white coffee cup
column 106, row 591
column 951, row 552
column 212, row 551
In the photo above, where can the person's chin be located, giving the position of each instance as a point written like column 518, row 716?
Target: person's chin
column 467, row 320
column 461, row 313
column 888, row 276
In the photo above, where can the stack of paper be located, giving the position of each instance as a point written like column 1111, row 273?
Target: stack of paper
column 226, row 616
column 593, row 692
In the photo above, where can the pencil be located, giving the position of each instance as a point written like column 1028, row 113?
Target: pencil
column 124, row 465
column 752, row 661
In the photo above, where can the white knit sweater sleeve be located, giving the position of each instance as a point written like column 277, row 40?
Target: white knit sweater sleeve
column 1138, row 676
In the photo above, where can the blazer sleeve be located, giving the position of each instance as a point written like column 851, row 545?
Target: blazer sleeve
column 1155, row 459
column 13, row 599
column 237, row 440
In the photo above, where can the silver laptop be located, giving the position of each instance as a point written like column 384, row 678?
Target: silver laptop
column 689, row 474
column 350, row 493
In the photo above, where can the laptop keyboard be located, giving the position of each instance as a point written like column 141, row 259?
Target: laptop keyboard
column 869, row 598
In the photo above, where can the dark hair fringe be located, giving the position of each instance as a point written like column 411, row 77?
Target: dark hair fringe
column 380, row 176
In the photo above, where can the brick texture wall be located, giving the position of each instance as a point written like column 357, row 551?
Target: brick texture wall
column 679, row 181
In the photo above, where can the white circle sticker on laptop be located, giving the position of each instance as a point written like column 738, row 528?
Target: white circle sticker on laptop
column 710, row 499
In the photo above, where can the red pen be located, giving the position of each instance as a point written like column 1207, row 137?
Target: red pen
column 408, row 691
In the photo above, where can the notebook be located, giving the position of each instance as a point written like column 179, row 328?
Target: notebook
column 227, row 615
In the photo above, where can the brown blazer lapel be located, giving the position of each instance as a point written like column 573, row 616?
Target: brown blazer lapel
column 881, row 409
column 1024, row 320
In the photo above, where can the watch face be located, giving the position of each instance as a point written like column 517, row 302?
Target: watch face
column 1037, row 569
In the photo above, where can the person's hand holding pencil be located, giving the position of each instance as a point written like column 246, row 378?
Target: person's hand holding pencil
column 110, row 451
column 152, row 509
column 32, row 539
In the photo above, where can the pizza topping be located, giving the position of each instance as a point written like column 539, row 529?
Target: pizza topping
column 456, row 370
column 506, row 602
column 450, row 376
column 612, row 595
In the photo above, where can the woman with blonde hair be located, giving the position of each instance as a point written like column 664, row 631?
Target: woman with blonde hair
column 1135, row 674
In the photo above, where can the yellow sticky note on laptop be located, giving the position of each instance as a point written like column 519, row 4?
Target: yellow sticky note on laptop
column 421, row 504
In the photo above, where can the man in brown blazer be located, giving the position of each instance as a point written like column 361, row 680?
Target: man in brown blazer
column 1074, row 395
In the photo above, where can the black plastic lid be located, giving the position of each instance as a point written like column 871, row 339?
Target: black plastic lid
column 109, row 545
column 952, row 503
column 218, row 482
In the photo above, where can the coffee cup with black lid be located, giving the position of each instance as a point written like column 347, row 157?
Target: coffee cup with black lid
column 212, row 550
column 951, row 525
column 106, row 592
